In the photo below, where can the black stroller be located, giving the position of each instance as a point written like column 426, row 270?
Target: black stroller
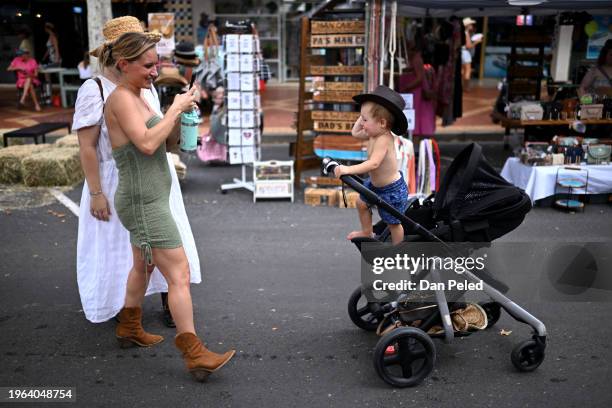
column 474, row 205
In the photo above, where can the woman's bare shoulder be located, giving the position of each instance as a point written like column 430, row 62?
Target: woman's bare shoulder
column 120, row 98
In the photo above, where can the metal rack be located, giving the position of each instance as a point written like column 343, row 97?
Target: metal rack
column 571, row 182
column 242, row 101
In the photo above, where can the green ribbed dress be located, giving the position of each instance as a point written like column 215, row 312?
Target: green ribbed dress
column 142, row 197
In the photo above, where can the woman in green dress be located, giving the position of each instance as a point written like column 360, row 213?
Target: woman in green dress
column 138, row 138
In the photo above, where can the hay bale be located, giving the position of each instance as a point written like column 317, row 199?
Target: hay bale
column 70, row 140
column 11, row 170
column 53, row 167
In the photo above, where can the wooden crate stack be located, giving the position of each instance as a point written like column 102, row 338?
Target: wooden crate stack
column 327, row 192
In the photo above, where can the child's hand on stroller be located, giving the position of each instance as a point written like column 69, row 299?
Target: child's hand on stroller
column 340, row 171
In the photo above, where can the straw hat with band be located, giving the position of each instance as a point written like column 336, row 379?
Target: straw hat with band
column 115, row 28
column 467, row 21
column 390, row 100
column 170, row 76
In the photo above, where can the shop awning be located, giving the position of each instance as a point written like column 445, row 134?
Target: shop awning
column 474, row 8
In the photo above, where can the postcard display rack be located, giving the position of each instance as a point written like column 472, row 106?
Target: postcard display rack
column 243, row 102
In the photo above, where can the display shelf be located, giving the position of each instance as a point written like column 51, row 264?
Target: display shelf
column 570, row 178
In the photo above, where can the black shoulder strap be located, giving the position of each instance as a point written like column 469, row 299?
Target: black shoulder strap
column 99, row 82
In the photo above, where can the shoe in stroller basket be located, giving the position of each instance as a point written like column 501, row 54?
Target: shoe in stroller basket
column 474, row 205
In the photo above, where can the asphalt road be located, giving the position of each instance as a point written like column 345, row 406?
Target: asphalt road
column 276, row 279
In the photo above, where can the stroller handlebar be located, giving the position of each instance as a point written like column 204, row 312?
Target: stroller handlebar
column 329, row 165
column 356, row 183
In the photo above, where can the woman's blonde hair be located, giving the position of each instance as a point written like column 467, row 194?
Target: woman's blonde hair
column 129, row 46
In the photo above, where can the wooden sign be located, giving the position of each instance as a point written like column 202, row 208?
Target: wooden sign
column 307, row 149
column 333, row 126
column 337, row 40
column 340, row 142
column 334, row 96
column 337, row 27
column 316, row 59
column 333, row 115
column 336, row 70
column 338, row 86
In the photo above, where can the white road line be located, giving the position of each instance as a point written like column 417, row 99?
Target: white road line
column 68, row 203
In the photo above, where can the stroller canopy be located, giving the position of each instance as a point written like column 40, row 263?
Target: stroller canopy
column 474, row 194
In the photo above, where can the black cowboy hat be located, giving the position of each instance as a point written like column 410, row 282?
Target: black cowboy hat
column 390, row 100
column 185, row 50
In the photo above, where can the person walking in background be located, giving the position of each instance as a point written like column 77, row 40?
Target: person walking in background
column 51, row 59
column 467, row 51
column 26, row 68
column 84, row 68
column 52, row 55
column 138, row 138
column 104, row 257
column 202, row 30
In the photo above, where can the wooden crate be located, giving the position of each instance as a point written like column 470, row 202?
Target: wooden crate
column 318, row 197
column 351, row 198
column 319, row 181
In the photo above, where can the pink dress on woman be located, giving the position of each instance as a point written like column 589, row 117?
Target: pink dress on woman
column 30, row 66
column 424, row 110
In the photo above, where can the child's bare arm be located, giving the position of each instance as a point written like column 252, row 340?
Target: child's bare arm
column 358, row 132
column 379, row 150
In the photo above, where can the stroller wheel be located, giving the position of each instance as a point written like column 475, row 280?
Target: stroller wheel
column 528, row 355
column 365, row 315
column 493, row 311
column 404, row 357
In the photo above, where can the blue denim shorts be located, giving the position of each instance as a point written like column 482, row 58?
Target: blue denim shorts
column 395, row 194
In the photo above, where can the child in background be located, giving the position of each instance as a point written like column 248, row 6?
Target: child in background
column 381, row 114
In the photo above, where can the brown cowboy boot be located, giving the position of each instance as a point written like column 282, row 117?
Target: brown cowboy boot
column 129, row 331
column 199, row 360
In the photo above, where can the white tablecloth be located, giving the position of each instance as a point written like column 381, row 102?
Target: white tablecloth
column 539, row 181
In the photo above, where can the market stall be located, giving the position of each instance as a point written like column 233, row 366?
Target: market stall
column 540, row 182
column 436, row 30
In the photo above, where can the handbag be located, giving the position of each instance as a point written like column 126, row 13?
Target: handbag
column 598, row 154
column 210, row 150
column 428, row 89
